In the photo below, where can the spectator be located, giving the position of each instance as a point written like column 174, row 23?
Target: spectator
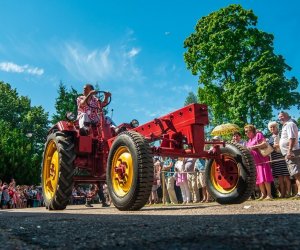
column 93, row 192
column 189, row 167
column 90, row 195
column 168, row 167
column 106, row 194
column 290, row 148
column 200, row 166
column 153, row 196
column 12, row 196
column 279, row 167
column 5, row 196
column 237, row 138
column 263, row 169
column 182, row 180
column 0, row 193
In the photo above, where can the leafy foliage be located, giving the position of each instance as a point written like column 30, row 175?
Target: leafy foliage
column 23, row 132
column 65, row 102
column 191, row 98
column 238, row 70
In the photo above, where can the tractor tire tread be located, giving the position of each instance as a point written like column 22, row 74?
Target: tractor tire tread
column 65, row 148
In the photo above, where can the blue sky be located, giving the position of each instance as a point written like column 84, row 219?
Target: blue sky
column 134, row 49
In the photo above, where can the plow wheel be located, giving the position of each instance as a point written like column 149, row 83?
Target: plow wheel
column 232, row 180
column 57, row 171
column 129, row 171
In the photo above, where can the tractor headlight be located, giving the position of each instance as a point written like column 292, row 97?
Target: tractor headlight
column 70, row 116
column 134, row 123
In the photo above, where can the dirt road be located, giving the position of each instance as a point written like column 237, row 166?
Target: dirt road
column 251, row 225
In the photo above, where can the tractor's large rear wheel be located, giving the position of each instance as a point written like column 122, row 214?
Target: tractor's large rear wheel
column 233, row 179
column 57, row 170
column 129, row 171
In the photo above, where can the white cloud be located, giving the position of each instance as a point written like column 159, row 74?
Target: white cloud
column 165, row 69
column 86, row 64
column 35, row 71
column 182, row 88
column 15, row 68
column 100, row 64
column 153, row 114
column 133, row 52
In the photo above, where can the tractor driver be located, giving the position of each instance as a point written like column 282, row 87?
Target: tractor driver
column 85, row 103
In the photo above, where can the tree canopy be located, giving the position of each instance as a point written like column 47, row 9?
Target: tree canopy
column 191, row 98
column 65, row 102
column 23, row 131
column 238, row 69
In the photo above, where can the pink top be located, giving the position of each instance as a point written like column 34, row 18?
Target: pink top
column 263, row 168
column 91, row 112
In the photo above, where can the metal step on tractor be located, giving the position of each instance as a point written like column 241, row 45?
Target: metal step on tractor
column 122, row 156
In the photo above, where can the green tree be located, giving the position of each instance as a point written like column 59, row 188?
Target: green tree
column 238, row 70
column 23, row 132
column 65, row 102
column 191, row 98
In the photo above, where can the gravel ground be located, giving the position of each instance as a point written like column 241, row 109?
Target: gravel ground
column 251, row 225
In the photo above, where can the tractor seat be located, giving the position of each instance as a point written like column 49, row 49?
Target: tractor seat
column 84, row 131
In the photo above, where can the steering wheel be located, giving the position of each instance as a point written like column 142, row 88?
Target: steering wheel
column 101, row 97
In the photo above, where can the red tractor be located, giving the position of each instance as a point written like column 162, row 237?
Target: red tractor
column 122, row 157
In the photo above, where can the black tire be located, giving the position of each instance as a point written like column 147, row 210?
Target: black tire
column 58, row 170
column 134, row 194
column 240, row 167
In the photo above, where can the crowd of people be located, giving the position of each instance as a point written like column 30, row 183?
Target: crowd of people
column 24, row 196
column 180, row 180
column 277, row 171
column 16, row 196
column 281, row 163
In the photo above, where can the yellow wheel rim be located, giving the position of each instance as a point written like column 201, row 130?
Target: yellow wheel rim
column 225, row 178
column 50, row 170
column 122, row 171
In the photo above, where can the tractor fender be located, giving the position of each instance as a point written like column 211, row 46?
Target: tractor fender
column 62, row 126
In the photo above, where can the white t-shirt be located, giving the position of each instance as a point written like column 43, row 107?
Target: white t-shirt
column 179, row 166
column 289, row 130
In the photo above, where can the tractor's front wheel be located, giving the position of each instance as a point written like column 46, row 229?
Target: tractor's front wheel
column 232, row 180
column 57, row 170
column 129, row 171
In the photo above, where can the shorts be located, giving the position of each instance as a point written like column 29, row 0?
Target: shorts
column 293, row 164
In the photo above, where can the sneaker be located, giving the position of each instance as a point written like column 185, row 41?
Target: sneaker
column 88, row 205
column 297, row 196
column 105, row 205
column 261, row 198
column 269, row 198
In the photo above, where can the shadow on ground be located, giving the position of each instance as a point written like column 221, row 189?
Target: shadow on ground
column 27, row 230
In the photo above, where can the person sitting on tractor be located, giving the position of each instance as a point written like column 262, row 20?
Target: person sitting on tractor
column 87, row 105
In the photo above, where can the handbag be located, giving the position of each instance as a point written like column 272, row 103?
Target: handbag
column 267, row 150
